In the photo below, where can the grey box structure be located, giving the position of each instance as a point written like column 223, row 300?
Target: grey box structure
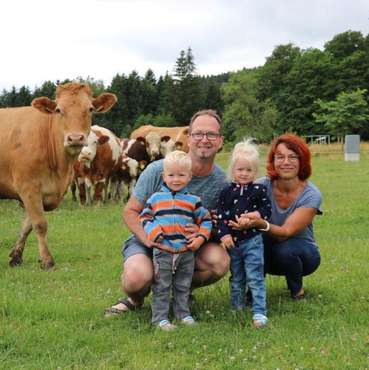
column 352, row 147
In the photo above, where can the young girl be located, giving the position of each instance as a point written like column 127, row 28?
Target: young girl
column 245, row 247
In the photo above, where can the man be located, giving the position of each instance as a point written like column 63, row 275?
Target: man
column 211, row 261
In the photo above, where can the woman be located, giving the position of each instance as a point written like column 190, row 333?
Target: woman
column 290, row 249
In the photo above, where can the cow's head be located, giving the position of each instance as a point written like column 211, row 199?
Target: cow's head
column 88, row 152
column 167, row 145
column 131, row 165
column 153, row 145
column 73, row 109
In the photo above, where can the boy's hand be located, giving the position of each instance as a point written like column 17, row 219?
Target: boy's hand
column 227, row 241
column 195, row 243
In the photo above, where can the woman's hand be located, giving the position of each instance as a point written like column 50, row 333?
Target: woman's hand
column 246, row 221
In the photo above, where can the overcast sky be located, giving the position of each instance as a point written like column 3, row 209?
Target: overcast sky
column 54, row 40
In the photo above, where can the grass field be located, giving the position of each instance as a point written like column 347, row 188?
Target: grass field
column 54, row 320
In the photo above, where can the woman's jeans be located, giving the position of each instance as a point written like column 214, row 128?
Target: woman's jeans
column 292, row 258
column 247, row 269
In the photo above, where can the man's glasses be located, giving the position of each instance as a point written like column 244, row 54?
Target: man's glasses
column 211, row 136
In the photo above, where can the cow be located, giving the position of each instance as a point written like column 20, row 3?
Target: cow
column 136, row 149
column 167, row 145
column 153, row 145
column 127, row 174
column 178, row 134
column 38, row 147
column 102, row 157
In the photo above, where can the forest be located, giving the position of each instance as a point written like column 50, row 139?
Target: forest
column 306, row 91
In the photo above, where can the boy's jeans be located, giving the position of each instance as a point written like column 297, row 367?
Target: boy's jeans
column 172, row 274
column 247, row 269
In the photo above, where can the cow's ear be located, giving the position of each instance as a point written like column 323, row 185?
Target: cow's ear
column 142, row 140
column 165, row 138
column 44, row 105
column 103, row 139
column 104, row 102
column 178, row 145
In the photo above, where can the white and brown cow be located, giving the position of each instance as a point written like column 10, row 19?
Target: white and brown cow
column 178, row 134
column 38, row 146
column 101, row 159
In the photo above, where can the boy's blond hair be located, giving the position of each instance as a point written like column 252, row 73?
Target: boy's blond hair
column 246, row 149
column 179, row 158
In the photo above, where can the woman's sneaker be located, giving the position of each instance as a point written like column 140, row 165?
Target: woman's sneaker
column 259, row 320
column 166, row 325
column 188, row 320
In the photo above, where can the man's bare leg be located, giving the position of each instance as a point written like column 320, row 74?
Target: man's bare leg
column 136, row 280
column 211, row 264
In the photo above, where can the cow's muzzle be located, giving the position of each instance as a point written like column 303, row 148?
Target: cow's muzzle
column 75, row 140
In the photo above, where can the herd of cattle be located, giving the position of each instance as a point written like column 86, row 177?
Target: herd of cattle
column 50, row 145
column 107, row 163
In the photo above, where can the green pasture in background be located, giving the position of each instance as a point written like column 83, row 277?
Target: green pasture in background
column 54, row 320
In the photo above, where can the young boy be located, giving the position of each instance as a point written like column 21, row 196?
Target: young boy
column 245, row 246
column 164, row 217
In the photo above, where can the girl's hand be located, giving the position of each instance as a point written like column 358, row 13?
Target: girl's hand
column 227, row 241
column 241, row 223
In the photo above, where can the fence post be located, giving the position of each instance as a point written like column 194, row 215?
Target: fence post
column 352, row 148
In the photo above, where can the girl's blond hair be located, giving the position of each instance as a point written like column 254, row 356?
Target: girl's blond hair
column 246, row 149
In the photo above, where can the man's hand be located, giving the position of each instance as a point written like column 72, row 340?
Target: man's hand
column 195, row 243
column 191, row 231
column 227, row 241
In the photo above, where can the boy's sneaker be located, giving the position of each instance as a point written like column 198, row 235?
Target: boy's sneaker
column 259, row 320
column 166, row 325
column 188, row 320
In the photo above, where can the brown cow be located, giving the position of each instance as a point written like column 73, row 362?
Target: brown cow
column 38, row 146
column 178, row 134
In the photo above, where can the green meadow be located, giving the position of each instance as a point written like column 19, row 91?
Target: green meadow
column 54, row 320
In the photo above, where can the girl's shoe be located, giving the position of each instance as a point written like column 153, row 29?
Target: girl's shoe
column 259, row 320
column 188, row 320
column 166, row 325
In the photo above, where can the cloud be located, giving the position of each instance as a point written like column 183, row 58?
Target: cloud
column 100, row 38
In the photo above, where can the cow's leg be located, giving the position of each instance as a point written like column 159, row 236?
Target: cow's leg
column 88, row 185
column 82, row 191
column 73, row 189
column 34, row 207
column 99, row 188
column 17, row 252
column 106, row 194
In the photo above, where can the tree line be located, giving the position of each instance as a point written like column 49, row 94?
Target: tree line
column 306, row 91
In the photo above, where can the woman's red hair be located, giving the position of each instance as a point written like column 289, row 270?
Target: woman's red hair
column 297, row 145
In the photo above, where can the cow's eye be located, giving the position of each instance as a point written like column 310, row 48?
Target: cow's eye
column 57, row 110
column 92, row 109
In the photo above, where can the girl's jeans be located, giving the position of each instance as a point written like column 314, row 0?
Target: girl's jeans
column 247, row 269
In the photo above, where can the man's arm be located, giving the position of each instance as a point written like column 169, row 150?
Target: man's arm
column 131, row 213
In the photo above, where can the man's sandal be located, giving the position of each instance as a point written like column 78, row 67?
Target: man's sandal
column 114, row 311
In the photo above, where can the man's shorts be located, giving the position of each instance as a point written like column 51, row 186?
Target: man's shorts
column 132, row 246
